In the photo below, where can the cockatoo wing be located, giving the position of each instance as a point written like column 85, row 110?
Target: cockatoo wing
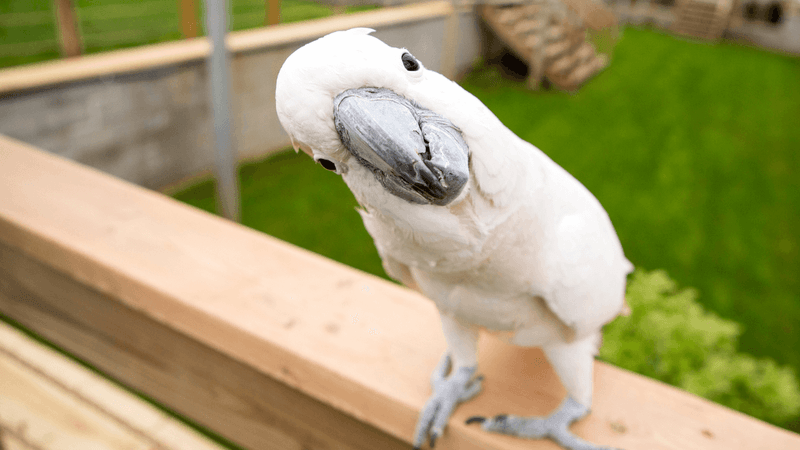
column 586, row 265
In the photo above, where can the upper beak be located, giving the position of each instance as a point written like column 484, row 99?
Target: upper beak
column 414, row 153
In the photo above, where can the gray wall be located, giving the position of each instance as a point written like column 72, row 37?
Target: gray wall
column 148, row 127
column 153, row 127
column 784, row 37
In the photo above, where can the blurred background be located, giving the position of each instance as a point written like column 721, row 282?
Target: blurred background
column 29, row 29
column 682, row 117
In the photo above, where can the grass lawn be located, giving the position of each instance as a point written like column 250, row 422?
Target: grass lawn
column 28, row 29
column 692, row 149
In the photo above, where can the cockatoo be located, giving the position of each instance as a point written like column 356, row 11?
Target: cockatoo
column 484, row 224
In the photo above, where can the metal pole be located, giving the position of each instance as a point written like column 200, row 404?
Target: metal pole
column 220, row 80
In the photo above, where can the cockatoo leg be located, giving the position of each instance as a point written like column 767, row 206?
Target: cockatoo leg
column 448, row 392
column 555, row 426
column 573, row 362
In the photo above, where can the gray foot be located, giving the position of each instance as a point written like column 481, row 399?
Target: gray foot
column 555, row 426
column 448, row 391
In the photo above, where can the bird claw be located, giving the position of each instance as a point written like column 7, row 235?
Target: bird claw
column 475, row 419
column 448, row 392
column 554, row 426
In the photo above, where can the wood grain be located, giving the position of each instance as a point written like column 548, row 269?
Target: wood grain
column 213, row 389
column 272, row 346
column 47, row 417
column 49, row 402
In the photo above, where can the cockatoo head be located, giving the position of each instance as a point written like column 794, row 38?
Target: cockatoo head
column 348, row 101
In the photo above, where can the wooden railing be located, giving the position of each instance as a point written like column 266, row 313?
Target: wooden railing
column 274, row 347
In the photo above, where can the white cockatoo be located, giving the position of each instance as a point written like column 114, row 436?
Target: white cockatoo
column 484, row 224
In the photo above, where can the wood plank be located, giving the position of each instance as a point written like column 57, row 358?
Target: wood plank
column 49, row 418
column 188, row 14
column 214, row 389
column 54, row 403
column 273, row 15
column 264, row 342
column 38, row 75
column 9, row 441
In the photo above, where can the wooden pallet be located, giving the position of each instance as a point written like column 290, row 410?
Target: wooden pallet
column 551, row 37
column 704, row 19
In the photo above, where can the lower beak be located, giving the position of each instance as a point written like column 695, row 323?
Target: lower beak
column 414, row 153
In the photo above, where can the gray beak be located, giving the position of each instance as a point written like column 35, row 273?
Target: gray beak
column 414, row 153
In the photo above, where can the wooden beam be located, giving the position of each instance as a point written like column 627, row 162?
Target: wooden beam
column 272, row 346
column 195, row 380
column 273, row 15
column 49, row 402
column 188, row 14
column 68, row 35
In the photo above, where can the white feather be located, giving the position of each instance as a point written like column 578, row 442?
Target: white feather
column 525, row 251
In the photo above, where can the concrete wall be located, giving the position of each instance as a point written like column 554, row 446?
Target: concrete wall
column 152, row 126
column 783, row 37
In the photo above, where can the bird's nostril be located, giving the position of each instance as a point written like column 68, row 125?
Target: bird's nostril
column 426, row 155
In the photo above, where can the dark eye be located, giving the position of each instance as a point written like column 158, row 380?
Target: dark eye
column 409, row 62
column 328, row 164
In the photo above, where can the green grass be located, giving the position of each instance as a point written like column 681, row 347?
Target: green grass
column 692, row 149
column 289, row 197
column 28, row 30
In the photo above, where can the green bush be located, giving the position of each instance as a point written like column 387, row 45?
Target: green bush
column 669, row 337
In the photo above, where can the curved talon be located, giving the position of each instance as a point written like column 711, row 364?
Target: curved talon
column 555, row 426
column 433, row 440
column 476, row 419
